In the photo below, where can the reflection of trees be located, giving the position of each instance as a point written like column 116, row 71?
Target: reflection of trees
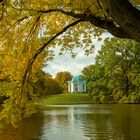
column 126, row 121
column 119, row 122
column 95, row 123
column 28, row 129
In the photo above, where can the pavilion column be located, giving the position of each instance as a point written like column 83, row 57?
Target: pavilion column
column 69, row 87
column 85, row 88
column 72, row 88
column 78, row 87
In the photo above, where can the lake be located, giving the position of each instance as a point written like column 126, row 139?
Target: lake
column 79, row 122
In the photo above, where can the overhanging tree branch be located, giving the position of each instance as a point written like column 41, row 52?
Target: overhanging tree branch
column 121, row 13
column 108, row 25
column 31, row 61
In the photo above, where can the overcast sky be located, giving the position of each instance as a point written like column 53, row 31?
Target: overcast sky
column 74, row 66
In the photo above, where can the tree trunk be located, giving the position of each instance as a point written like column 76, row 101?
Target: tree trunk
column 124, row 15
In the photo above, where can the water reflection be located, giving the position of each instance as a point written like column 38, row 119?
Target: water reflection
column 93, row 122
column 80, row 122
column 29, row 129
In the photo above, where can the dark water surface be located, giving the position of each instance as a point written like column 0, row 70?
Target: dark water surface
column 80, row 122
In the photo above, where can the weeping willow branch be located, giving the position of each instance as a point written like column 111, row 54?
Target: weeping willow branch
column 31, row 61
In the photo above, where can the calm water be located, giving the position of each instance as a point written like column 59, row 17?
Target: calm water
column 80, row 122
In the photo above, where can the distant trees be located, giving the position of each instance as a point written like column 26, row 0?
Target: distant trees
column 62, row 78
column 115, row 77
column 46, row 85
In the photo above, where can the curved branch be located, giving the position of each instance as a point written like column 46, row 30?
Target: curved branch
column 31, row 61
column 121, row 12
column 108, row 25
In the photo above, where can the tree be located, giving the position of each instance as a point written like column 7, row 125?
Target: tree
column 115, row 75
column 97, row 83
column 20, row 98
column 63, row 77
column 120, row 58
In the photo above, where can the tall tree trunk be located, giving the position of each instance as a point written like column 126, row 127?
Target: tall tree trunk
column 126, row 85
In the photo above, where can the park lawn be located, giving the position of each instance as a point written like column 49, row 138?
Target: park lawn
column 66, row 99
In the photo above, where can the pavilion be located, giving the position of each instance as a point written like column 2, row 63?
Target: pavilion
column 77, row 84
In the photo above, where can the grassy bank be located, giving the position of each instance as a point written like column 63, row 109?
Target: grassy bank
column 66, row 99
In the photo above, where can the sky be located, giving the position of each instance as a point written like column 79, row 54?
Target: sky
column 74, row 65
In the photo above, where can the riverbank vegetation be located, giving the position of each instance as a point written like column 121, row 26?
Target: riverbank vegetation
column 66, row 99
column 115, row 76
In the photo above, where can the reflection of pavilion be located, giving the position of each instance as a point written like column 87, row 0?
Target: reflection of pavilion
column 64, row 123
column 77, row 84
column 76, row 117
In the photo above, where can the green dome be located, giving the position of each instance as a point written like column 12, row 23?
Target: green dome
column 78, row 79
